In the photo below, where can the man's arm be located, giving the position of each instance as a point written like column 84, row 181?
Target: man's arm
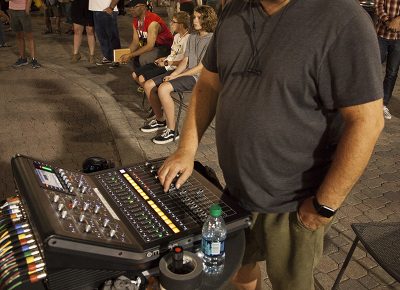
column 28, row 6
column 363, row 124
column 109, row 10
column 152, row 33
column 190, row 72
column 181, row 67
column 200, row 114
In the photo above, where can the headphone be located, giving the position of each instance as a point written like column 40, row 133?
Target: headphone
column 93, row 164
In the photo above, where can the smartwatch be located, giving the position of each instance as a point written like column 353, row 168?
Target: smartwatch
column 323, row 210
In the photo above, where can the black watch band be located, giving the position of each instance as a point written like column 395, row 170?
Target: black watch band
column 323, row 210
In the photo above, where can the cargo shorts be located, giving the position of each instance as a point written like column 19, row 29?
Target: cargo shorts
column 291, row 250
column 20, row 21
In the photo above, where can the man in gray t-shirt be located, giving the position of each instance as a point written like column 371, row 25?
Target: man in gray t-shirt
column 295, row 86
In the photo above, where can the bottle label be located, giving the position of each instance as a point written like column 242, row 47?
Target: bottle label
column 212, row 248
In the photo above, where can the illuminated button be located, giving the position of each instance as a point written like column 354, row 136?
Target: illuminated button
column 64, row 214
column 145, row 197
column 81, row 217
column 158, row 210
column 176, row 230
column 105, row 222
column 168, row 222
column 164, row 217
column 88, row 228
column 56, row 198
column 151, row 202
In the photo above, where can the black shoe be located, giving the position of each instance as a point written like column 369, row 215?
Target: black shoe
column 166, row 137
column 153, row 125
column 104, row 61
column 114, row 65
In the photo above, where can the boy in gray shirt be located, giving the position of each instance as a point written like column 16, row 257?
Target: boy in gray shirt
column 182, row 79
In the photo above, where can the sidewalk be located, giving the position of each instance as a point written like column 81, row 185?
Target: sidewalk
column 66, row 112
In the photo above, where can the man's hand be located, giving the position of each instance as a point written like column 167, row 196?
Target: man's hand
column 309, row 217
column 108, row 10
column 125, row 58
column 28, row 10
column 180, row 163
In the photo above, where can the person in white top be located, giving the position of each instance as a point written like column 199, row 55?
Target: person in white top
column 180, row 24
column 105, row 14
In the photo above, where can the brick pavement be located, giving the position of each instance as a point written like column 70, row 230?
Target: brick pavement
column 66, row 112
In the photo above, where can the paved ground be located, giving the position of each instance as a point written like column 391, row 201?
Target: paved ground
column 65, row 113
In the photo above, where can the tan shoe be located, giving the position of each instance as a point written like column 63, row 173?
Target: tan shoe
column 92, row 59
column 76, row 57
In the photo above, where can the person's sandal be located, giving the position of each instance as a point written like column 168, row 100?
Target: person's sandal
column 92, row 59
column 76, row 57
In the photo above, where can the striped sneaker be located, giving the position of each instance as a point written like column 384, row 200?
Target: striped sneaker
column 153, row 125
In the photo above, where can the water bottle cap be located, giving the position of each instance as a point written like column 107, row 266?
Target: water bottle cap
column 215, row 210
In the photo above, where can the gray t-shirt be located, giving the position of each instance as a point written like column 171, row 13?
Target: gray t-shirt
column 195, row 49
column 283, row 80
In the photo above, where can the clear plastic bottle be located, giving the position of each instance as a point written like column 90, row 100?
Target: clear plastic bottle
column 213, row 241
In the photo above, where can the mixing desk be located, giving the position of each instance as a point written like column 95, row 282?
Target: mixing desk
column 115, row 219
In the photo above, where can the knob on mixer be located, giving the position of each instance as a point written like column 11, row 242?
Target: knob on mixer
column 56, row 198
column 86, row 206
column 96, row 208
column 64, row 214
column 88, row 228
column 112, row 233
column 106, row 222
column 81, row 217
column 60, row 207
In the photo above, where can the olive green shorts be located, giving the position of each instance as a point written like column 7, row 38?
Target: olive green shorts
column 20, row 21
column 291, row 251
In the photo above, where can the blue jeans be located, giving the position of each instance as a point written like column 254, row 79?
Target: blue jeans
column 106, row 28
column 390, row 52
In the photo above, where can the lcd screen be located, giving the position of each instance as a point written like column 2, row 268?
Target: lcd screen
column 48, row 179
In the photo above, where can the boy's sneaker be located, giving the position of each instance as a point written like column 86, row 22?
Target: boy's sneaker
column 20, row 62
column 386, row 113
column 153, row 125
column 104, row 61
column 35, row 64
column 166, row 137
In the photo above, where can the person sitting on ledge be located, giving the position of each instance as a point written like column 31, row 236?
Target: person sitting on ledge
column 180, row 24
column 182, row 79
column 151, row 36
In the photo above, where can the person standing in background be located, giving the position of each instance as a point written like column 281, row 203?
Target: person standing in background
column 185, row 5
column 388, row 30
column 2, row 38
column 20, row 16
column 82, row 19
column 105, row 15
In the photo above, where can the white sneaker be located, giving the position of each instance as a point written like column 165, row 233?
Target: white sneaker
column 386, row 113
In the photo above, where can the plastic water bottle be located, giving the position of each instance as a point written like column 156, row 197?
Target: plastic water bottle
column 213, row 241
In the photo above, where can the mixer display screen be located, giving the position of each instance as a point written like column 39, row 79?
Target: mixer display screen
column 48, row 178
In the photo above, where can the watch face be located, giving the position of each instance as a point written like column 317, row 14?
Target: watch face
column 326, row 211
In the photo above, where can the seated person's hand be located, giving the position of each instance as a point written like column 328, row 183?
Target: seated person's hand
column 168, row 78
column 125, row 58
column 180, row 163
column 159, row 62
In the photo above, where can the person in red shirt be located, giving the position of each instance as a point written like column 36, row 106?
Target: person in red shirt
column 151, row 37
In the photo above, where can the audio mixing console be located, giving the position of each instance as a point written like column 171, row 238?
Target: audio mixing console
column 115, row 219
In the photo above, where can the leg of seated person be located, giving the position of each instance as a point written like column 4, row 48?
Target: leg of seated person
column 164, row 93
column 151, row 92
column 148, row 57
column 135, row 77
column 247, row 278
